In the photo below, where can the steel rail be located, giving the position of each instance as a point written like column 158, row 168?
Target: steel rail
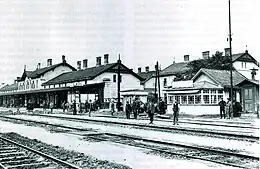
column 63, row 163
column 145, row 139
column 157, row 127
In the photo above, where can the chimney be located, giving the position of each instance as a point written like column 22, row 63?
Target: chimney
column 98, row 61
column 49, row 62
column 227, row 51
column 205, row 55
column 139, row 70
column 24, row 67
column 85, row 63
column 186, row 58
column 63, row 59
column 147, row 69
column 106, row 59
column 79, row 65
column 39, row 66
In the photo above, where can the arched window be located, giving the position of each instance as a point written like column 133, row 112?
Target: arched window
column 27, row 85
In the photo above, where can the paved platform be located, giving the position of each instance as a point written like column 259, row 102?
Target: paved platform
column 241, row 146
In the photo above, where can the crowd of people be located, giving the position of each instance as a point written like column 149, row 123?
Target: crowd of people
column 150, row 107
column 229, row 110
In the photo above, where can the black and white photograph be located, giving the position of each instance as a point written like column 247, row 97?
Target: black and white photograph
column 129, row 84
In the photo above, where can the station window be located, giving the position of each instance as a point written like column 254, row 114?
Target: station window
column 114, row 78
column 171, row 99
column 177, row 98
column 197, row 99
column 206, row 99
column 191, row 99
column 183, row 99
column 164, row 82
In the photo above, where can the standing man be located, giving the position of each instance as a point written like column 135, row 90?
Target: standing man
column 175, row 108
column 74, row 107
column 63, row 105
column 228, row 106
column 135, row 108
column 90, row 108
column 112, row 107
column 86, row 106
column 150, row 111
column 222, row 105
column 128, row 110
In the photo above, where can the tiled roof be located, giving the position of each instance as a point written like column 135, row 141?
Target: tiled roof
column 80, row 75
column 175, row 68
column 147, row 75
column 222, row 77
column 38, row 72
column 236, row 56
column 9, row 87
column 198, row 85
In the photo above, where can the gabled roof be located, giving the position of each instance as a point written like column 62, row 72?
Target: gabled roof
column 244, row 57
column 147, row 75
column 89, row 73
column 38, row 72
column 9, row 87
column 221, row 77
column 175, row 68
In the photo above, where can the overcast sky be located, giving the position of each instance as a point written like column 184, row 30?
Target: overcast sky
column 141, row 31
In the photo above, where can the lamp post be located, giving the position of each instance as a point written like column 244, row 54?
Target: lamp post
column 231, row 62
column 118, row 82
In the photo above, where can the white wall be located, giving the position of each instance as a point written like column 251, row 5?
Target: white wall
column 128, row 82
column 245, row 70
column 196, row 110
column 46, row 77
column 203, row 77
column 151, row 83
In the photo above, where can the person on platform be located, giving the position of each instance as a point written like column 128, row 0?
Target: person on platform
column 112, row 107
column 162, row 106
column 176, row 109
column 136, row 107
column 63, row 105
column 90, row 108
column 51, row 106
column 150, row 111
column 222, row 105
column 128, row 110
column 74, row 107
column 228, row 108
column 86, row 106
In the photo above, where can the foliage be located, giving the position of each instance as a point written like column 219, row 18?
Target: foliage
column 217, row 61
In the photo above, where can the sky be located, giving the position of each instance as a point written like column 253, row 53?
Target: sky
column 141, row 31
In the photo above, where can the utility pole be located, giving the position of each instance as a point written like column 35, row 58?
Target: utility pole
column 231, row 62
column 118, row 82
column 158, row 76
column 155, row 84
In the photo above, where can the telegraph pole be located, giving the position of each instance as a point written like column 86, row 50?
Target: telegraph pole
column 158, row 76
column 118, row 82
column 231, row 63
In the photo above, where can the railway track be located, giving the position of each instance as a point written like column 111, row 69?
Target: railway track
column 210, row 154
column 14, row 155
column 181, row 150
column 162, row 128
column 231, row 124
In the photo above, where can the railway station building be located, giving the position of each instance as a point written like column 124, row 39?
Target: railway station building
column 201, row 94
column 62, row 82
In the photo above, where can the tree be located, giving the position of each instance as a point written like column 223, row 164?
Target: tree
column 217, row 61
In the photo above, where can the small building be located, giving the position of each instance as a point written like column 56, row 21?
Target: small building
column 202, row 94
column 29, row 86
column 98, row 83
